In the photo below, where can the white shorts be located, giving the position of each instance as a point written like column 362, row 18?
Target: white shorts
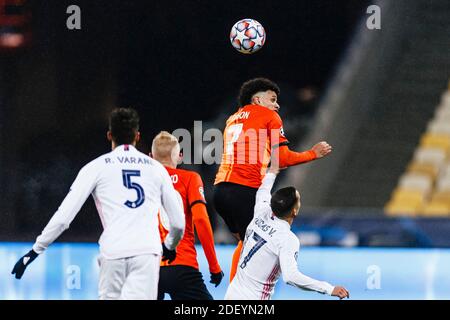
column 236, row 291
column 133, row 278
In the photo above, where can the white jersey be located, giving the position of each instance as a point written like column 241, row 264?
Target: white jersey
column 128, row 188
column 270, row 249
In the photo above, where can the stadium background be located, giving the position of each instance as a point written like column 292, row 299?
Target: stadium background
column 378, row 96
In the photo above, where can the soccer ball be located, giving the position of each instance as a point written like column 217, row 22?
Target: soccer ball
column 247, row 36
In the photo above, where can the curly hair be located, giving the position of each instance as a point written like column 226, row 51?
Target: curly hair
column 123, row 124
column 249, row 88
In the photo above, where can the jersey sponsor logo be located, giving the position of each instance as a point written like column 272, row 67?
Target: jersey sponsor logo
column 260, row 223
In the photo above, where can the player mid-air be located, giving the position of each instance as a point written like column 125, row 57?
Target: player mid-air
column 252, row 135
column 181, row 279
column 271, row 248
column 128, row 188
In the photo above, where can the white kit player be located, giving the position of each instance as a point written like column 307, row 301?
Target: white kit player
column 271, row 248
column 128, row 188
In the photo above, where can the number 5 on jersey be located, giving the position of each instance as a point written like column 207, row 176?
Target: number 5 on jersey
column 126, row 175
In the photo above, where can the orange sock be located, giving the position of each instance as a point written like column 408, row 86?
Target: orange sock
column 235, row 261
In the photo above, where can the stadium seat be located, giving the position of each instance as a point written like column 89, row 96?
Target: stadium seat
column 401, row 209
column 443, row 184
column 444, row 117
column 435, row 156
column 427, row 169
column 443, row 112
column 409, row 195
column 415, row 182
column 435, row 209
column 439, row 127
column 442, row 197
column 446, row 169
column 405, row 202
column 445, row 99
column 438, row 141
column 424, row 190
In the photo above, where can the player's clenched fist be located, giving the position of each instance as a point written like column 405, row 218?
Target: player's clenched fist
column 340, row 292
column 168, row 254
column 216, row 278
column 322, row 149
column 22, row 264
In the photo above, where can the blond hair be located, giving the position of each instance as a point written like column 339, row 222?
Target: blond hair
column 164, row 145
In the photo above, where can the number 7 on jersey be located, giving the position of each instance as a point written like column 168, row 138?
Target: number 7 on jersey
column 232, row 136
column 259, row 243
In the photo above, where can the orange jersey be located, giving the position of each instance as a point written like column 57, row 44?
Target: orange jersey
column 248, row 137
column 190, row 186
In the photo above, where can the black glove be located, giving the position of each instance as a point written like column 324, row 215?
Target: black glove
column 168, row 254
column 22, row 264
column 216, row 278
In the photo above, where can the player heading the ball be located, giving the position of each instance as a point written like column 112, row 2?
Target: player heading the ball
column 252, row 136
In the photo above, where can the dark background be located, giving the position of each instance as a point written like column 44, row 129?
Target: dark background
column 172, row 61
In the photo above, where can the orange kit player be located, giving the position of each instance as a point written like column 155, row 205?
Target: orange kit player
column 251, row 135
column 182, row 279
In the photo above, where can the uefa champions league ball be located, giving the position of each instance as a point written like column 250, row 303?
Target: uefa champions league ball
column 247, row 36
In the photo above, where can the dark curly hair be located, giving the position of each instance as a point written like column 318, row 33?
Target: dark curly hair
column 249, row 88
column 123, row 124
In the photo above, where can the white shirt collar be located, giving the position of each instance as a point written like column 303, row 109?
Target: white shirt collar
column 275, row 218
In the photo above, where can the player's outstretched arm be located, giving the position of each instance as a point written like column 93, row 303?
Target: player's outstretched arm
column 205, row 235
column 288, row 158
column 72, row 203
column 280, row 149
column 200, row 217
column 263, row 195
column 292, row 276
